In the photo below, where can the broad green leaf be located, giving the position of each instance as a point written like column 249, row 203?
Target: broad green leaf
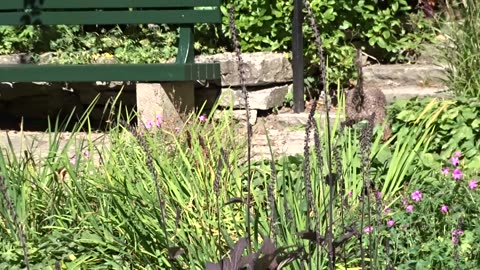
column 386, row 34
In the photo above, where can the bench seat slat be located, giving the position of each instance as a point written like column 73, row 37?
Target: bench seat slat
column 76, row 4
column 109, row 72
column 112, row 17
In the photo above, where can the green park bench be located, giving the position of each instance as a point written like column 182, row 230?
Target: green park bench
column 176, row 80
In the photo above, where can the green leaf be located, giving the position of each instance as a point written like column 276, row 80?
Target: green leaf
column 381, row 42
column 474, row 163
column 394, row 6
column 476, row 123
column 386, row 34
column 429, row 160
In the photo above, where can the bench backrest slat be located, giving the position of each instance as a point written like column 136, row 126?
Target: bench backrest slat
column 177, row 16
column 89, row 4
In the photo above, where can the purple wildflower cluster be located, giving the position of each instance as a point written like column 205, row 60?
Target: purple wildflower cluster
column 455, row 161
column 158, row 122
column 457, row 174
column 417, row 196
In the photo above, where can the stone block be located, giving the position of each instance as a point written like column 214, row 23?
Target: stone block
column 404, row 74
column 262, row 99
column 172, row 101
column 261, row 68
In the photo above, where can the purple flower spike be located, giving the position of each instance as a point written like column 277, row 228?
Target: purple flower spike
column 455, row 234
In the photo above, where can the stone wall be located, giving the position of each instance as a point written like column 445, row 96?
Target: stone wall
column 268, row 78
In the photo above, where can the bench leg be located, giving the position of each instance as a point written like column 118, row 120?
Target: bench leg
column 170, row 100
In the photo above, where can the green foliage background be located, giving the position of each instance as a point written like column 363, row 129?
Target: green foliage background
column 394, row 30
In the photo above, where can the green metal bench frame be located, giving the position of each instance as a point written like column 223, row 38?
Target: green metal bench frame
column 112, row 12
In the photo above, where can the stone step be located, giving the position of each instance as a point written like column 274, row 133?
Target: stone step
column 410, row 91
column 402, row 75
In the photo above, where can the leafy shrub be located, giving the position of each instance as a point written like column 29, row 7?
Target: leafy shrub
column 267, row 26
column 75, row 45
column 18, row 39
column 455, row 124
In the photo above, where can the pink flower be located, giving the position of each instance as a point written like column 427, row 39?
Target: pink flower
column 159, row 121
column 454, row 239
column 387, row 211
column 444, row 209
column 378, row 195
column 457, row 232
column 202, row 118
column 458, row 154
column 149, row 124
column 177, row 129
column 473, row 184
column 73, row 160
column 86, row 154
column 409, row 208
column 404, row 201
column 445, row 171
column 455, row 161
column 417, row 195
column 350, row 193
column 455, row 235
column 457, row 174
column 368, row 229
column 390, row 223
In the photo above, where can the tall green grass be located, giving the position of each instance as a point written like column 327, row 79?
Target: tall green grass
column 462, row 51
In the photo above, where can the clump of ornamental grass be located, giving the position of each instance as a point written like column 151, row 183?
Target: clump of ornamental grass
column 13, row 215
column 174, row 251
column 195, row 175
column 462, row 49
